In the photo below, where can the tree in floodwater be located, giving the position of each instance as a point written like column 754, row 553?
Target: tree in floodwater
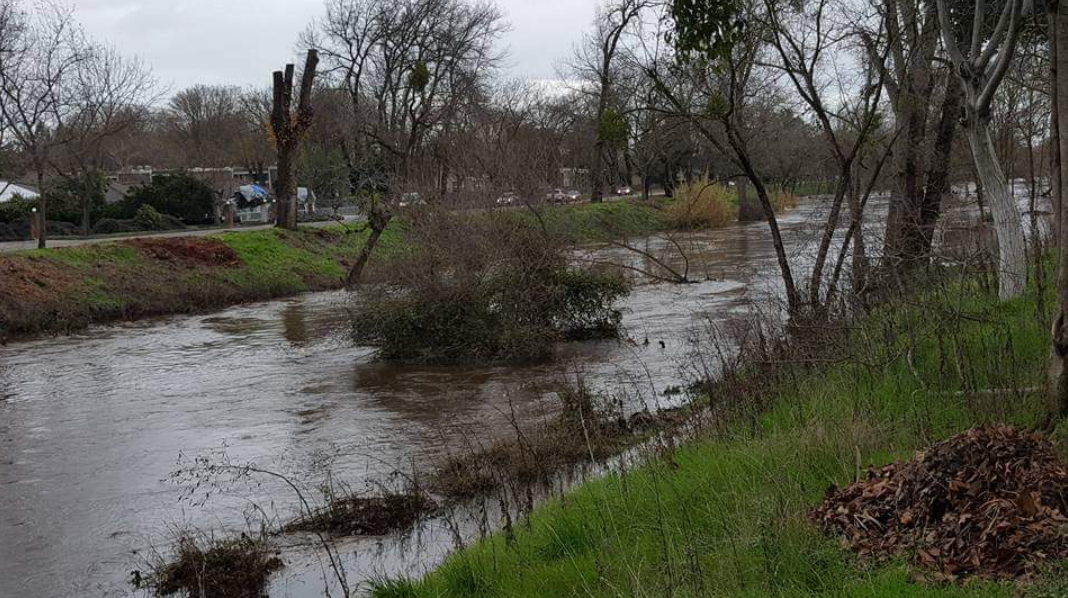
column 981, row 65
column 713, row 80
column 925, row 100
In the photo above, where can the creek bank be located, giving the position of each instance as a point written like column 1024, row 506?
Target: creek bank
column 728, row 512
column 56, row 291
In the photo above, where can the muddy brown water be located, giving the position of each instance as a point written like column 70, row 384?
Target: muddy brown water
column 92, row 426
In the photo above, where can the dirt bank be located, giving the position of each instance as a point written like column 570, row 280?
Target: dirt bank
column 60, row 290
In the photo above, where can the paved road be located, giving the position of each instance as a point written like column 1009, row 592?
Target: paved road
column 9, row 246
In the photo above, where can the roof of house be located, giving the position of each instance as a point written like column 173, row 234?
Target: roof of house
column 8, row 191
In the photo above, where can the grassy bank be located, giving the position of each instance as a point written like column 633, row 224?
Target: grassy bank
column 58, row 290
column 64, row 289
column 727, row 515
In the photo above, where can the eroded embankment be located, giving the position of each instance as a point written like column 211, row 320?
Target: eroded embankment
column 59, row 290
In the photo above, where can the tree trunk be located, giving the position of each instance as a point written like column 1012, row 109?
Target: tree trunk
column 860, row 253
column 285, row 190
column 938, row 167
column 1012, row 252
column 904, row 238
column 378, row 225
column 1058, row 367
column 748, row 209
column 42, row 208
column 597, row 173
column 828, row 235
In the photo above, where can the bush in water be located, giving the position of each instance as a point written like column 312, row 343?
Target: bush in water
column 702, row 204
column 478, row 288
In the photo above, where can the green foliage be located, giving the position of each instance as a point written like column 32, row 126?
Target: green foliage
column 180, row 195
column 419, row 78
column 613, row 129
column 705, row 29
column 16, row 209
column 718, row 106
column 147, row 218
column 486, row 291
column 66, row 199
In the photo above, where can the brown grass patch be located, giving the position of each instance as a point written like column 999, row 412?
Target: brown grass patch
column 226, row 569
column 367, row 515
column 187, row 251
column 582, row 433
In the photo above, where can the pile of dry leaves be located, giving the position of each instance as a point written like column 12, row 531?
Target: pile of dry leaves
column 991, row 502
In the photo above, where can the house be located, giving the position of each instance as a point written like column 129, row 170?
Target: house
column 9, row 190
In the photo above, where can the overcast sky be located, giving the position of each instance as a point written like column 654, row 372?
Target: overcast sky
column 241, row 41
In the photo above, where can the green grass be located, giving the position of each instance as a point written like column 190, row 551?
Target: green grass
column 56, row 290
column 727, row 515
column 586, row 222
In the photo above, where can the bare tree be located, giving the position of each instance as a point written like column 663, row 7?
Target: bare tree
column 407, row 66
column 981, row 66
column 43, row 51
column 846, row 108
column 715, row 91
column 288, row 130
column 108, row 94
column 595, row 65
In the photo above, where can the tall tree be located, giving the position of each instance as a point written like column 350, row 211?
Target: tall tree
column 407, row 66
column 981, row 64
column 1058, row 367
column 288, row 129
column 596, row 64
column 719, row 46
column 42, row 53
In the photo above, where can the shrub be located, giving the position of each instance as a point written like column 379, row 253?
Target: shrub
column 782, row 199
column 485, row 290
column 147, row 218
column 180, row 195
column 702, row 204
column 16, row 209
column 111, row 226
column 14, row 232
column 238, row 568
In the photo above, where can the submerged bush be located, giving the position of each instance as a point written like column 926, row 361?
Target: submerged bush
column 238, row 568
column 702, row 204
column 782, row 199
column 486, row 290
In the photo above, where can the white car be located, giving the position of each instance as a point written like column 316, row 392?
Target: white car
column 561, row 196
column 507, row 199
column 411, row 199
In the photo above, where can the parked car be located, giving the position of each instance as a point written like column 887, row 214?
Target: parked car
column 562, row 196
column 507, row 199
column 411, row 199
